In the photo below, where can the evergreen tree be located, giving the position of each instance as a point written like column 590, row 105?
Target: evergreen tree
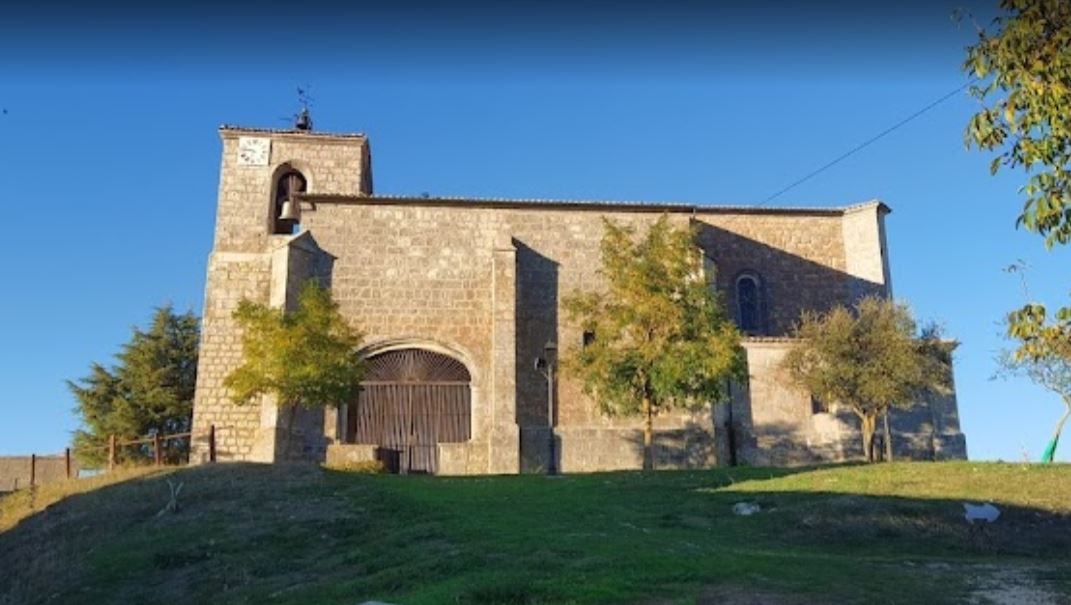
column 148, row 391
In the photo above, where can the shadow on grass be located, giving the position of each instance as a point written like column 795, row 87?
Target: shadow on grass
column 299, row 534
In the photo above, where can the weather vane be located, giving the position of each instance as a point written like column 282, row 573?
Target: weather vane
column 303, row 118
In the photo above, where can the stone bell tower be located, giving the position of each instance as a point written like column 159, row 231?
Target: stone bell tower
column 261, row 253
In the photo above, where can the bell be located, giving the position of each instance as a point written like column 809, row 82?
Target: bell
column 303, row 121
column 290, row 211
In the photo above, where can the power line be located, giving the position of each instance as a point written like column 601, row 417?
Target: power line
column 868, row 142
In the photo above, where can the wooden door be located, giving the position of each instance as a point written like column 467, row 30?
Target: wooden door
column 412, row 400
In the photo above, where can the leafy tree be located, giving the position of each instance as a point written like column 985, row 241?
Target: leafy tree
column 306, row 357
column 1044, row 356
column 1024, row 72
column 661, row 338
column 869, row 358
column 149, row 391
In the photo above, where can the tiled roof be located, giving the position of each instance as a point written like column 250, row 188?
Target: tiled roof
column 583, row 204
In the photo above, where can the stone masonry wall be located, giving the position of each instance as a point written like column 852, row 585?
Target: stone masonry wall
column 232, row 276
column 240, row 266
column 330, row 164
column 424, row 274
column 799, row 260
column 775, row 424
column 15, row 471
column 865, row 252
column 485, row 283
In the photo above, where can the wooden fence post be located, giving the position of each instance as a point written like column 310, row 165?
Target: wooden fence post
column 212, row 443
column 33, row 469
column 111, row 452
column 67, row 461
column 157, row 454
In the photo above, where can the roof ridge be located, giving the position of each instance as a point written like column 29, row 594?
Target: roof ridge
column 681, row 206
column 871, row 203
column 295, row 131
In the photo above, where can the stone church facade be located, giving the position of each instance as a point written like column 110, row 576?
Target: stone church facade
column 457, row 298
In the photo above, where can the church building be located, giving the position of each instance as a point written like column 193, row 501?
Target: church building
column 460, row 304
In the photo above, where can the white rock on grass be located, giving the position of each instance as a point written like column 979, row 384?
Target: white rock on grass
column 746, row 509
column 985, row 513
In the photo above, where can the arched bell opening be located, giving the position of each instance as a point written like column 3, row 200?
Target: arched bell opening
column 285, row 210
column 410, row 401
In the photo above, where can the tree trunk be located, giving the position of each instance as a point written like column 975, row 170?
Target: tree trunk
column 648, row 434
column 888, row 438
column 867, row 428
column 1050, row 452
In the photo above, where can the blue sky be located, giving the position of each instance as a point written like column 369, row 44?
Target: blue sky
column 110, row 155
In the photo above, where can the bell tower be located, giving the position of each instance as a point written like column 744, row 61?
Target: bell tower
column 258, row 236
column 260, row 170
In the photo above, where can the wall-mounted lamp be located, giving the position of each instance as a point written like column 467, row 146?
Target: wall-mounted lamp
column 547, row 365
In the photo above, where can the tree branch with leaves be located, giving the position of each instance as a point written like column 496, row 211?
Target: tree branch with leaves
column 1024, row 72
column 1023, row 64
column 1043, row 356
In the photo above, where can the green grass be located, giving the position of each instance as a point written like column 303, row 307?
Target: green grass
column 269, row 534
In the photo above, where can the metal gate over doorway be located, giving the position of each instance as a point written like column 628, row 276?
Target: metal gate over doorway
column 411, row 400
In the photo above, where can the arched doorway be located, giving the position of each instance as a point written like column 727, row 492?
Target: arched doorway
column 410, row 401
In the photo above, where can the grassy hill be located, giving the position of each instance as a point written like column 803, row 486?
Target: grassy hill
column 270, row 534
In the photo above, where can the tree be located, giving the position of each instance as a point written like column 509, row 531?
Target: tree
column 1044, row 356
column 1024, row 86
column 306, row 357
column 1024, row 71
column 661, row 337
column 869, row 358
column 148, row 392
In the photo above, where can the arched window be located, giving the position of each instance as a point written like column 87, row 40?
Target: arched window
column 749, row 303
column 289, row 183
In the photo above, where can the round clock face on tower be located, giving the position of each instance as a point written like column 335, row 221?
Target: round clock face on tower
column 253, row 151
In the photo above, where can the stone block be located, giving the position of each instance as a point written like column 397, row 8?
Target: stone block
column 342, row 454
column 454, row 459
